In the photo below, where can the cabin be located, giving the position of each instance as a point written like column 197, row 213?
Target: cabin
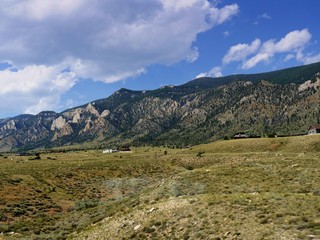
column 240, row 135
column 118, row 149
column 109, row 151
column 314, row 129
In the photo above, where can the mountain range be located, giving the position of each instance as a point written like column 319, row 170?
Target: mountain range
column 283, row 102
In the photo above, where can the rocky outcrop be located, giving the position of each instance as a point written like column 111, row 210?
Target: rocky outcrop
column 91, row 109
column 58, row 123
column 310, row 84
column 10, row 125
column 63, row 131
column 76, row 117
column 105, row 113
column 87, row 127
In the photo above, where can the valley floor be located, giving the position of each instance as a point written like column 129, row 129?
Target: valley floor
column 236, row 189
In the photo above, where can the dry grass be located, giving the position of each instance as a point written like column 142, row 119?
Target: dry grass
column 308, row 143
column 245, row 189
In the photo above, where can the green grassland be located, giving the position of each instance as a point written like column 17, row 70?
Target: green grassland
column 236, row 189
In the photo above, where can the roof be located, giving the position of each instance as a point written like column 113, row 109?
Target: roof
column 243, row 132
column 315, row 126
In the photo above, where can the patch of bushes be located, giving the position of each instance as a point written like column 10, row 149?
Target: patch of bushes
column 189, row 167
column 36, row 157
column 18, row 212
column 148, row 229
column 312, row 225
column 85, row 204
column 3, row 217
column 199, row 154
column 4, row 228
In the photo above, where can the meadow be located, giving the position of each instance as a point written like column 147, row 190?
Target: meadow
column 265, row 188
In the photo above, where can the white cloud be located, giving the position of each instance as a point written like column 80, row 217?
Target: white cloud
column 307, row 58
column 34, row 88
column 43, row 103
column 257, row 52
column 225, row 13
column 265, row 16
column 39, row 9
column 35, row 78
column 292, row 42
column 124, row 75
column 252, row 62
column 226, row 33
column 241, row 51
column 292, row 45
column 102, row 40
column 214, row 72
column 113, row 36
column 288, row 57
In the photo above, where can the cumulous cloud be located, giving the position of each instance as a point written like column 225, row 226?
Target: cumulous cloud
column 293, row 42
column 288, row 57
column 105, row 41
column 103, row 34
column 293, row 46
column 252, row 62
column 214, row 72
column 237, row 52
column 307, row 58
column 33, row 88
column 39, row 10
column 241, row 51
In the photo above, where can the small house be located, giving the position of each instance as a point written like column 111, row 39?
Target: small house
column 240, row 135
column 314, row 129
column 109, row 151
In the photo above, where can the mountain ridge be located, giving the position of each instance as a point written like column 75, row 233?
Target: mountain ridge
column 283, row 76
column 201, row 110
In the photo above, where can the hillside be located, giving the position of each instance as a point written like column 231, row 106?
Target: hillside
column 284, row 102
column 264, row 188
column 295, row 75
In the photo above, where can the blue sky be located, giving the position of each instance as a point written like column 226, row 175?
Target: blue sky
column 59, row 54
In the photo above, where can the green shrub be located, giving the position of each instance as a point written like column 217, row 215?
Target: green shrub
column 199, row 154
column 4, row 228
column 36, row 157
column 148, row 229
column 3, row 217
column 18, row 212
column 189, row 167
column 85, row 204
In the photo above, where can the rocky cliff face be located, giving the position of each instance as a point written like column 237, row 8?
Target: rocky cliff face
column 179, row 115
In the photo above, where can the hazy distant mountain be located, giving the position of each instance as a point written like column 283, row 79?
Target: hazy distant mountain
column 282, row 102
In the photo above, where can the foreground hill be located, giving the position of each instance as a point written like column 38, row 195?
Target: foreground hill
column 284, row 102
column 247, row 189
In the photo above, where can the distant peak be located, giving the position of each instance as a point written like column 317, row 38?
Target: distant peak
column 124, row 90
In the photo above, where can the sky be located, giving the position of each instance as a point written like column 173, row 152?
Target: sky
column 55, row 55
